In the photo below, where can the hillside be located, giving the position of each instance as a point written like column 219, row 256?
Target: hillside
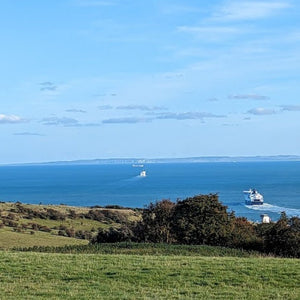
column 26, row 225
column 60, row 265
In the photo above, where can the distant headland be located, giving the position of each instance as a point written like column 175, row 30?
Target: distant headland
column 200, row 159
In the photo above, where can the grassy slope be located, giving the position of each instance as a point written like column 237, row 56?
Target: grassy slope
column 94, row 276
column 10, row 239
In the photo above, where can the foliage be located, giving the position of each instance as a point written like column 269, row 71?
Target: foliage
column 155, row 226
column 113, row 235
column 201, row 220
column 244, row 235
column 283, row 238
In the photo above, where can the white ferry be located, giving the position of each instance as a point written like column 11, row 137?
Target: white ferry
column 253, row 197
column 143, row 174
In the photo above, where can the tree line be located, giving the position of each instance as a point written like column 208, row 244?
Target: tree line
column 203, row 220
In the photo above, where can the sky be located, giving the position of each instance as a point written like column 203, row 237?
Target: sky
column 85, row 79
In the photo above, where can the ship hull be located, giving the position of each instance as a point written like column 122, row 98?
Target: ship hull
column 253, row 203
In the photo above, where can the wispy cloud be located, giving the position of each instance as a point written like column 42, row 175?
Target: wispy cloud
column 141, row 107
column 290, row 107
column 126, row 120
column 84, row 125
column 73, row 110
column 200, row 30
column 47, row 86
column 248, row 96
column 249, row 10
column 66, row 122
column 105, row 107
column 28, row 134
column 188, row 116
column 211, row 33
column 259, row 111
column 54, row 121
column 11, row 119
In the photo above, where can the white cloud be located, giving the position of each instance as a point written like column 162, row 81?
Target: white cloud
column 74, row 110
column 59, row 121
column 141, row 107
column 210, row 33
column 249, row 10
column 188, row 116
column 290, row 107
column 248, row 96
column 207, row 30
column 126, row 120
column 10, row 119
column 28, row 134
column 259, row 111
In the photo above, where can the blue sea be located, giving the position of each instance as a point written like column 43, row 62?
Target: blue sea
column 89, row 185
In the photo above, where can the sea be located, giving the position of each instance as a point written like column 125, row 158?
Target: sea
column 120, row 184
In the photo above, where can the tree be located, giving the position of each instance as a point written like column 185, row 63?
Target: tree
column 283, row 238
column 201, row 220
column 113, row 235
column 155, row 226
column 244, row 235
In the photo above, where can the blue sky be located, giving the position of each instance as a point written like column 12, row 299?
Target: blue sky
column 88, row 79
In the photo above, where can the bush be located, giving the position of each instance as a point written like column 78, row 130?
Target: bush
column 156, row 222
column 113, row 235
column 201, row 220
column 283, row 237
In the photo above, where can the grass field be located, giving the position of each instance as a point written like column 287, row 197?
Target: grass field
column 60, row 267
column 10, row 239
column 21, row 234
column 94, row 276
column 144, row 249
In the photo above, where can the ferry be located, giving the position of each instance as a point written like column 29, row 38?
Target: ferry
column 143, row 174
column 253, row 197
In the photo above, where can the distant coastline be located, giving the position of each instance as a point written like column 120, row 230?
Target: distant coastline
column 200, row 159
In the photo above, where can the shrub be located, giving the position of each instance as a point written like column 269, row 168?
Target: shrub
column 156, row 223
column 113, row 235
column 201, row 220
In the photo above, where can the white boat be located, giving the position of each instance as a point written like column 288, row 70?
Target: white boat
column 253, row 197
column 137, row 166
column 143, row 174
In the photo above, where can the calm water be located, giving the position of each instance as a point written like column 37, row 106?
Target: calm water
column 87, row 185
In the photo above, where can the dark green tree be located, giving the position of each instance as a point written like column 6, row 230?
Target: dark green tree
column 155, row 226
column 113, row 235
column 201, row 220
column 283, row 238
column 244, row 235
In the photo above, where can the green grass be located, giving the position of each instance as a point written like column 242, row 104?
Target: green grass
column 78, row 224
column 145, row 249
column 95, row 276
column 11, row 239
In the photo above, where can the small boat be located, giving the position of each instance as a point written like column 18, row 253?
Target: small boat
column 253, row 197
column 143, row 174
column 137, row 166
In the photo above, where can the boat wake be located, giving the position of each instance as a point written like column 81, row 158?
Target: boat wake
column 291, row 212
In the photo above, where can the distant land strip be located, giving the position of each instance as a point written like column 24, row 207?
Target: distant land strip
column 200, row 159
